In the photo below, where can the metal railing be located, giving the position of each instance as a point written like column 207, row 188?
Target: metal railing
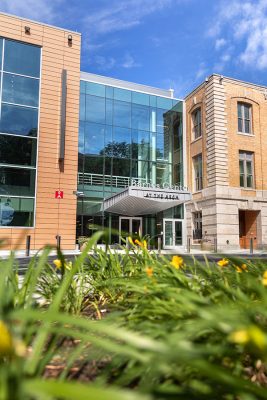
column 107, row 180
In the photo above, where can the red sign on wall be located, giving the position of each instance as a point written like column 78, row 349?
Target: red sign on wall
column 59, row 194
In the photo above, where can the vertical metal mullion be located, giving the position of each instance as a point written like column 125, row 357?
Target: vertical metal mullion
column 2, row 76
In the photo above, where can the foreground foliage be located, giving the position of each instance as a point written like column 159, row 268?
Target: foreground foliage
column 152, row 327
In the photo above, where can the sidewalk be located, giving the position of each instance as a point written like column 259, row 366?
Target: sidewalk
column 194, row 252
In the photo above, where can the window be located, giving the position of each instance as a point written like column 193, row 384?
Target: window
column 246, row 169
column 196, row 121
column 197, row 163
column 197, row 222
column 244, row 111
column 19, row 104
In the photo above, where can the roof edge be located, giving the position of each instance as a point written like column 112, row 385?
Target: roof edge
column 40, row 23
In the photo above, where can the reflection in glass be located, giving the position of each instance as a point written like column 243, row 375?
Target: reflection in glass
column 17, row 150
column 141, row 170
column 22, row 58
column 20, row 90
column 94, row 138
column 121, row 167
column 122, row 114
column 95, row 109
column 95, row 89
column 140, row 98
column 1, row 49
column 121, row 145
column 140, row 117
column 122, row 94
column 16, row 211
column 140, row 145
column 93, row 165
column 163, row 173
column 17, row 182
column 19, row 120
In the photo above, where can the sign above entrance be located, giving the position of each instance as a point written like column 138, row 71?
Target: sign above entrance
column 165, row 185
column 59, row 194
column 162, row 196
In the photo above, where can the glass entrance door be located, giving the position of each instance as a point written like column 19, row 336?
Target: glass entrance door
column 130, row 226
column 172, row 233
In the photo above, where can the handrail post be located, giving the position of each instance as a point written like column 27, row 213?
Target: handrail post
column 215, row 245
column 189, row 245
column 159, row 244
column 58, row 237
column 251, row 246
column 28, row 245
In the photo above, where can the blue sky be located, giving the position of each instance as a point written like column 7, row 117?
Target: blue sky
column 163, row 43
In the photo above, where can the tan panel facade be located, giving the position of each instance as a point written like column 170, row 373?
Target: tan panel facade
column 52, row 217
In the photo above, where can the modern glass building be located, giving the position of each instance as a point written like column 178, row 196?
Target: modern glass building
column 129, row 136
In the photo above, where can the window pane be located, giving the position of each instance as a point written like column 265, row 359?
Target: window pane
column 239, row 110
column 249, row 181
column 246, row 111
column 249, row 168
column 22, row 58
column 95, row 109
column 16, row 212
column 247, row 126
column 17, row 150
column 121, row 142
column 140, row 145
column 93, row 165
column 19, row 120
column 95, row 89
column 122, row 94
column 164, row 103
column 121, row 167
column 17, row 182
column 240, row 125
column 109, row 111
column 161, row 117
column 122, row 114
column 140, row 98
column 94, row 138
column 82, row 107
column 163, row 173
column 241, row 167
column 20, row 90
column 140, row 170
column 109, row 92
column 140, row 117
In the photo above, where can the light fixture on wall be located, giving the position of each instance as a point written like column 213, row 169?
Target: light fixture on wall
column 70, row 40
column 27, row 30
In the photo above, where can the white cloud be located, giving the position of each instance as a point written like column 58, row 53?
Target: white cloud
column 221, row 42
column 39, row 10
column 104, row 63
column 246, row 25
column 122, row 14
column 129, row 62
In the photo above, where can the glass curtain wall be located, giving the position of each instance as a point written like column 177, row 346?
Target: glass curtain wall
column 124, row 136
column 19, row 106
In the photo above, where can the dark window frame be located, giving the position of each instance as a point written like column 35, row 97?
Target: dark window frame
column 198, row 172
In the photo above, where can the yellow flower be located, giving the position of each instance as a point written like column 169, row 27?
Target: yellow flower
column 223, row 263
column 57, row 264
column 244, row 267
column 239, row 337
column 130, row 240
column 6, row 343
column 138, row 242
column 177, row 262
column 149, row 271
column 238, row 269
column 141, row 244
column 252, row 335
column 264, row 279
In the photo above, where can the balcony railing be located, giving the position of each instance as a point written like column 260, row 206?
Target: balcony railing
column 107, row 180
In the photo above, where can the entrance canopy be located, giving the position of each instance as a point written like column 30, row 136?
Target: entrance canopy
column 141, row 201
